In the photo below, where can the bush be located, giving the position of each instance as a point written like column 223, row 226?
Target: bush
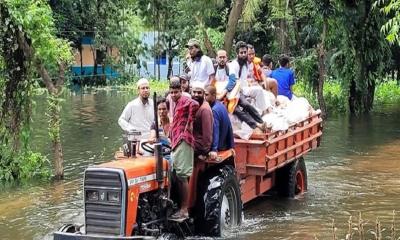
column 22, row 165
column 335, row 97
column 387, row 92
column 155, row 85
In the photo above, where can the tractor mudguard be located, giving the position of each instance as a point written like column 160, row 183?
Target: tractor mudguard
column 79, row 236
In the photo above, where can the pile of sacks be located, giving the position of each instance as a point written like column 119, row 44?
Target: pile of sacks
column 281, row 113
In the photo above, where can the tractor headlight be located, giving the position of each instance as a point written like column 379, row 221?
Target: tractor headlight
column 113, row 196
column 92, row 195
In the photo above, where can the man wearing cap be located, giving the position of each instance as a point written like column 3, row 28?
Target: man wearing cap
column 138, row 114
column 203, row 122
column 185, row 80
column 201, row 66
column 171, row 103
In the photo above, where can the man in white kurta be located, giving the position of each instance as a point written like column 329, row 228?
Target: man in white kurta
column 138, row 114
column 200, row 65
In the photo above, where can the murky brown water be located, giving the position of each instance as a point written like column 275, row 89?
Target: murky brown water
column 356, row 169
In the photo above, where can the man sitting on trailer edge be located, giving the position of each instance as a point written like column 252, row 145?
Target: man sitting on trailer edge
column 222, row 128
column 203, row 123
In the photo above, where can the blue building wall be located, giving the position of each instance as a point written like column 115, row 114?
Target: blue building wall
column 152, row 64
column 149, row 63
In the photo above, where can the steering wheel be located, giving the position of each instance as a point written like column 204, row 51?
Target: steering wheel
column 147, row 146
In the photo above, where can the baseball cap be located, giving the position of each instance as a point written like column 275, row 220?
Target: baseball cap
column 185, row 77
column 193, row 42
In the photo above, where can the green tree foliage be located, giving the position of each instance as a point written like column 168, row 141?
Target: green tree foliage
column 364, row 51
column 28, row 47
column 391, row 27
column 113, row 25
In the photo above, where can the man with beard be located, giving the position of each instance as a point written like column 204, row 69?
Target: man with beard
column 182, row 144
column 201, row 66
column 138, row 114
column 222, row 128
column 202, row 127
column 245, row 111
column 256, row 72
column 225, row 84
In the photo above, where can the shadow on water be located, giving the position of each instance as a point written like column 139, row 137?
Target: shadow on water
column 355, row 169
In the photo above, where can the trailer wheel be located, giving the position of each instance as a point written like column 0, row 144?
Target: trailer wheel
column 292, row 179
column 222, row 203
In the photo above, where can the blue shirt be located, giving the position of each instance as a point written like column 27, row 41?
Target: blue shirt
column 285, row 79
column 222, row 128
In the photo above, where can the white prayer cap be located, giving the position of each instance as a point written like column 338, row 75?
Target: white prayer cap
column 142, row 81
column 198, row 84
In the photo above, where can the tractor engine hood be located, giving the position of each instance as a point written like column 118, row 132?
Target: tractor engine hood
column 137, row 170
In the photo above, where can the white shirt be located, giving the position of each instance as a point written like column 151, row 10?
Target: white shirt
column 220, row 75
column 201, row 70
column 234, row 68
column 138, row 116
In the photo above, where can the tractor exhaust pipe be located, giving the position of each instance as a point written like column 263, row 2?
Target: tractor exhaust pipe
column 159, row 163
column 158, row 147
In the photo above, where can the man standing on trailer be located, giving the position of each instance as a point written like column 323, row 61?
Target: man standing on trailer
column 182, row 143
column 200, row 65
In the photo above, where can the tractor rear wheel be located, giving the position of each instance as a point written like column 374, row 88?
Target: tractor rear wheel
column 222, row 203
column 292, row 179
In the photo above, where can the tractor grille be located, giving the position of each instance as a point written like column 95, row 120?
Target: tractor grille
column 103, row 213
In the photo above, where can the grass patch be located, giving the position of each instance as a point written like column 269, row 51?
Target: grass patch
column 387, row 92
column 361, row 229
column 335, row 97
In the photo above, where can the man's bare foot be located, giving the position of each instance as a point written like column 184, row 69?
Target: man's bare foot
column 180, row 215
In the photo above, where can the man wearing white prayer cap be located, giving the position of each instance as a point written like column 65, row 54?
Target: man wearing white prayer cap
column 138, row 114
column 203, row 122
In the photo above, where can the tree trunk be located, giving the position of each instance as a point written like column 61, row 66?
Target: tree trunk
column 54, row 130
column 170, row 58
column 322, row 71
column 362, row 87
column 93, row 78
column 233, row 19
column 210, row 49
column 283, row 41
column 296, row 25
column 207, row 43
column 398, row 75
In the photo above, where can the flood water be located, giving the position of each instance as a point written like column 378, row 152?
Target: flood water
column 356, row 169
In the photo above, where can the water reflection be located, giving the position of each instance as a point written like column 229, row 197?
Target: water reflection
column 355, row 169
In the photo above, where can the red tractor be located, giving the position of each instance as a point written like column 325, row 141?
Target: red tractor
column 133, row 196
